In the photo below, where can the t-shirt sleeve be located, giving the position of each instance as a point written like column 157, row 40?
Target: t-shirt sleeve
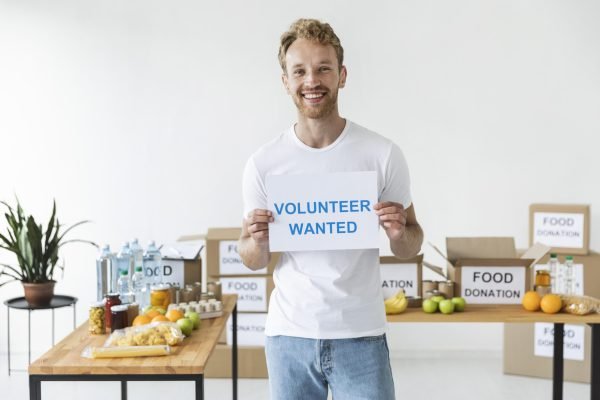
column 396, row 179
column 253, row 189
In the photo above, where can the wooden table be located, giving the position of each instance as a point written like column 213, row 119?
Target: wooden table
column 516, row 314
column 186, row 362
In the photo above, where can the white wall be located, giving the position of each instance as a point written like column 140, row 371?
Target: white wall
column 140, row 115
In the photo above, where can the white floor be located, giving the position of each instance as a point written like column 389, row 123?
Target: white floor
column 444, row 377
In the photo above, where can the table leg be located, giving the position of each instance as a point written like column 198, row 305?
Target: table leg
column 8, row 336
column 53, row 327
column 123, row 390
column 234, row 355
column 29, row 337
column 74, row 316
column 595, row 375
column 35, row 388
column 558, row 362
column 200, row 387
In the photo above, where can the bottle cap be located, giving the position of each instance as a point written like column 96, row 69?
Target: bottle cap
column 570, row 258
column 138, row 269
column 123, row 272
column 552, row 255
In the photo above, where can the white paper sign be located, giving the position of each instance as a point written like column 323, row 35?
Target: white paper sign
column 399, row 276
column 577, row 275
column 251, row 330
column 173, row 272
column 252, row 292
column 230, row 262
column 493, row 285
column 558, row 229
column 573, row 346
column 323, row 212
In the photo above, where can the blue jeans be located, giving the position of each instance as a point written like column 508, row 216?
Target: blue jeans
column 303, row 369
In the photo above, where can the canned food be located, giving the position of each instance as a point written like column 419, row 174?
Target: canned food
column 110, row 300
column 542, row 278
column 447, row 289
column 215, row 287
column 429, row 286
column 118, row 317
column 160, row 296
column 97, row 321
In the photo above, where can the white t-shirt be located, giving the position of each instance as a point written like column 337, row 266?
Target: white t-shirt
column 328, row 294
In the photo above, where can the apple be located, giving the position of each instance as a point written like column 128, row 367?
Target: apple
column 148, row 308
column 446, row 306
column 430, row 306
column 161, row 310
column 194, row 317
column 459, row 304
column 186, row 325
column 438, row 298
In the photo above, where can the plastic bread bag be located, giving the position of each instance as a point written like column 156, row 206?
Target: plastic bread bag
column 580, row 305
column 125, row 351
column 155, row 333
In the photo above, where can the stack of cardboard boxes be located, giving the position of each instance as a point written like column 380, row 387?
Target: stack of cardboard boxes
column 253, row 288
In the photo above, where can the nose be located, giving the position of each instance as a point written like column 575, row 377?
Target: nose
column 311, row 79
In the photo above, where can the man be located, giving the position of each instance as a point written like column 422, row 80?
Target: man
column 326, row 322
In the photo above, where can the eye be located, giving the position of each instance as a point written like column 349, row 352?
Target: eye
column 298, row 72
column 325, row 69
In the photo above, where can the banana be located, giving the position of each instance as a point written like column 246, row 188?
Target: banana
column 396, row 304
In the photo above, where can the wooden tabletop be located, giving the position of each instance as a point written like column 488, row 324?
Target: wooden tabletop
column 189, row 357
column 493, row 313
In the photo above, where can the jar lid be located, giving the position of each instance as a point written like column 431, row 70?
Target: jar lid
column 160, row 286
column 97, row 304
column 111, row 295
column 122, row 307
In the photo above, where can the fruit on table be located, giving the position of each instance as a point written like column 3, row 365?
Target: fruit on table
column 141, row 320
column 155, row 334
column 186, row 325
column 396, row 304
column 459, row 304
column 446, row 306
column 531, row 301
column 551, row 303
column 173, row 315
column 437, row 298
column 160, row 318
column 194, row 317
column 430, row 306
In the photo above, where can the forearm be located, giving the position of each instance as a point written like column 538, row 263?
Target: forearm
column 254, row 256
column 409, row 245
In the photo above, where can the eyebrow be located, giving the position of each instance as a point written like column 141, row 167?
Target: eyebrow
column 320, row 63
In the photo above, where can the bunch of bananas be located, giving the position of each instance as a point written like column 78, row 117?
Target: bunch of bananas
column 396, row 304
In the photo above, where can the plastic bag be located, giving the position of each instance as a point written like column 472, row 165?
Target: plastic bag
column 125, row 351
column 580, row 305
column 156, row 333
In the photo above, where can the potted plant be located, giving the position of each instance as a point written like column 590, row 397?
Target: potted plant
column 37, row 252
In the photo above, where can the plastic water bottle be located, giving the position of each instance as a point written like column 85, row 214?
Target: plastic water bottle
column 137, row 253
column 138, row 287
column 554, row 267
column 123, row 287
column 569, row 276
column 106, row 273
column 124, row 260
column 153, row 263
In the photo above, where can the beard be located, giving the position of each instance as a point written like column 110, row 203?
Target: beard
column 316, row 111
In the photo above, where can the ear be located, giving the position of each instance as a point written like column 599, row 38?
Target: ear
column 343, row 76
column 284, row 80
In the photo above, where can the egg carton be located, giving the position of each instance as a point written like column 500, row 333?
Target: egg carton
column 212, row 314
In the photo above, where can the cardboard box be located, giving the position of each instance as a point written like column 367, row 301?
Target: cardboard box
column 251, row 362
column 251, row 330
column 486, row 270
column 181, row 260
column 523, row 341
column 222, row 257
column 253, row 292
column 399, row 274
column 565, row 228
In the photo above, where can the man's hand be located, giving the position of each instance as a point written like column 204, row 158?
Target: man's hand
column 256, row 226
column 392, row 217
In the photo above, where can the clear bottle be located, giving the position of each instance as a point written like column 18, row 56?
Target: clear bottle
column 137, row 252
column 569, row 276
column 106, row 273
column 123, row 287
column 153, row 263
column 138, row 287
column 125, row 260
column 553, row 267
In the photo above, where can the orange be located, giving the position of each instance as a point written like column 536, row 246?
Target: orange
column 152, row 313
column 531, row 301
column 141, row 320
column 160, row 318
column 173, row 315
column 551, row 304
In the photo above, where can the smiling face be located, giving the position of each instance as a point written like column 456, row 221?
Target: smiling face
column 313, row 77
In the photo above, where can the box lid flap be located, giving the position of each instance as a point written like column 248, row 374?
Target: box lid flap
column 480, row 247
column 188, row 250
column 223, row 233
column 536, row 252
column 494, row 262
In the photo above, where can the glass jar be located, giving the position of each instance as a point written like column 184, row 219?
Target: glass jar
column 97, row 321
column 188, row 294
column 542, row 278
column 110, row 299
column 160, row 296
column 118, row 317
column 215, row 287
column 133, row 310
column 446, row 288
column 428, row 285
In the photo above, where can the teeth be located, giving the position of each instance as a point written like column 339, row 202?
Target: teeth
column 313, row 95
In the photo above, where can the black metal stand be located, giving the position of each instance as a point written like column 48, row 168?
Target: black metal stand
column 558, row 362
column 234, row 356
column 595, row 355
column 19, row 303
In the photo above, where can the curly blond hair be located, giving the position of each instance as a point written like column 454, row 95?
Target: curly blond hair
column 310, row 29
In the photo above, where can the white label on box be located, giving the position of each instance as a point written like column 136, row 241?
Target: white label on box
column 230, row 262
column 323, row 211
column 399, row 276
column 251, row 330
column 574, row 340
column 173, row 272
column 493, row 285
column 558, row 229
column 252, row 292
column 577, row 276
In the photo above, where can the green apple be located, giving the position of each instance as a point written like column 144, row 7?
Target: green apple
column 459, row 304
column 148, row 308
column 186, row 325
column 194, row 317
column 161, row 310
column 438, row 298
column 430, row 306
column 446, row 306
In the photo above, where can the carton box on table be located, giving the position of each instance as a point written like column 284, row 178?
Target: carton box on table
column 564, row 227
column 181, row 260
column 399, row 274
column 251, row 362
